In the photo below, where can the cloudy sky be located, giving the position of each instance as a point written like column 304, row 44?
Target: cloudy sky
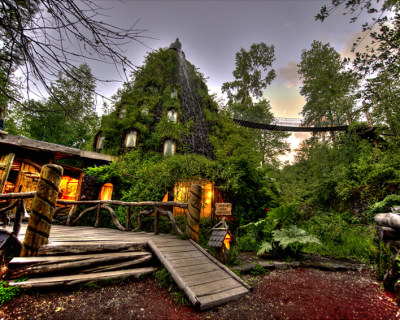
column 211, row 32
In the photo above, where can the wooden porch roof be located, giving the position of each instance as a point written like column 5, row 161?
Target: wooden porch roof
column 57, row 149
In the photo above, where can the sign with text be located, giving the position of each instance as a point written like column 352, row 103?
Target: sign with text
column 223, row 209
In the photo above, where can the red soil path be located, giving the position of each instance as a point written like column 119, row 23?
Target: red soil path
column 287, row 294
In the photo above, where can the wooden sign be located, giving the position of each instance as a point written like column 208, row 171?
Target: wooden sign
column 223, row 209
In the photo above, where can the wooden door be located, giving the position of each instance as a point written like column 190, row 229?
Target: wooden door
column 6, row 162
column 28, row 178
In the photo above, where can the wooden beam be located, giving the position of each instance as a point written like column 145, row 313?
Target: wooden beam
column 22, row 195
column 81, row 278
column 6, row 167
column 127, row 204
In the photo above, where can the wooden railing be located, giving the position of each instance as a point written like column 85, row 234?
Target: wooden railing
column 99, row 205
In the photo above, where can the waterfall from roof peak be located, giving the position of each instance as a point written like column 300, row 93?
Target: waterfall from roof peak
column 192, row 108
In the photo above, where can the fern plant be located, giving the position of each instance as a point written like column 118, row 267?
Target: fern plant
column 293, row 238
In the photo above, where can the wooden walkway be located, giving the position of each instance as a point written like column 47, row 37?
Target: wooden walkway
column 206, row 282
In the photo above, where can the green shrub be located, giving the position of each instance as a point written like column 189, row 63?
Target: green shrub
column 339, row 238
column 7, row 293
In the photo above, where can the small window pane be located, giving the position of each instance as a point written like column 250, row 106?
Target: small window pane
column 130, row 139
column 100, row 142
column 172, row 115
column 174, row 93
column 169, row 148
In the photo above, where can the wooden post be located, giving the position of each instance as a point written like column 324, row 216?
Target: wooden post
column 194, row 208
column 98, row 212
column 42, row 210
column 6, row 166
column 128, row 218
column 156, row 218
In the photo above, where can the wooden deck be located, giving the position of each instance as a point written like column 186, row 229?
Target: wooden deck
column 206, row 282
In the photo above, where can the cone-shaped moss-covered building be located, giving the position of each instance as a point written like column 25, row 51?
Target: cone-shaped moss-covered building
column 165, row 108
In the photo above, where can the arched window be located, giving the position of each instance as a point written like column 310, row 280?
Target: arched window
column 106, row 191
column 131, row 139
column 172, row 115
column 169, row 147
column 100, row 141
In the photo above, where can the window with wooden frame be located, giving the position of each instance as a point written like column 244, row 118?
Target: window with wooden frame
column 169, row 147
column 130, row 139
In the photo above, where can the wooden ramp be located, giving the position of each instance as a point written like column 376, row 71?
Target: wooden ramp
column 206, row 282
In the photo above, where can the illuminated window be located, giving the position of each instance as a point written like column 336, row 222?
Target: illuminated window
column 172, row 115
column 100, row 142
column 68, row 188
column 106, row 191
column 131, row 139
column 169, row 148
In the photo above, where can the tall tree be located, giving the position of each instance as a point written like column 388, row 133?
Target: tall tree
column 328, row 88
column 380, row 67
column 43, row 37
column 69, row 116
column 253, row 74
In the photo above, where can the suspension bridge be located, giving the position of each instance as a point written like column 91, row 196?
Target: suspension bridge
column 289, row 125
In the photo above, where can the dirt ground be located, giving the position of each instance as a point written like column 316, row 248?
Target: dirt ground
column 285, row 294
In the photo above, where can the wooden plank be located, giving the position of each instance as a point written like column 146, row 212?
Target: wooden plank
column 81, row 278
column 233, row 275
column 189, row 262
column 215, row 287
column 189, row 293
column 67, row 266
column 212, row 300
column 54, row 259
column 180, row 255
column 56, row 248
column 205, row 277
column 193, row 270
column 120, row 265
column 171, row 243
column 184, row 248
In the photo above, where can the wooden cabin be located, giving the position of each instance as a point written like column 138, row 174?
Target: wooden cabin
column 211, row 196
column 22, row 158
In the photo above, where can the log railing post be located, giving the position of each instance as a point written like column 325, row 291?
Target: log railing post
column 193, row 217
column 43, row 206
column 156, row 218
column 98, row 218
column 128, row 218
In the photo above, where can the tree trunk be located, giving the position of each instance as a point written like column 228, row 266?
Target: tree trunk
column 388, row 220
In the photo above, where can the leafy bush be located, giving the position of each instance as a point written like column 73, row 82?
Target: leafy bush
column 340, row 237
column 7, row 293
